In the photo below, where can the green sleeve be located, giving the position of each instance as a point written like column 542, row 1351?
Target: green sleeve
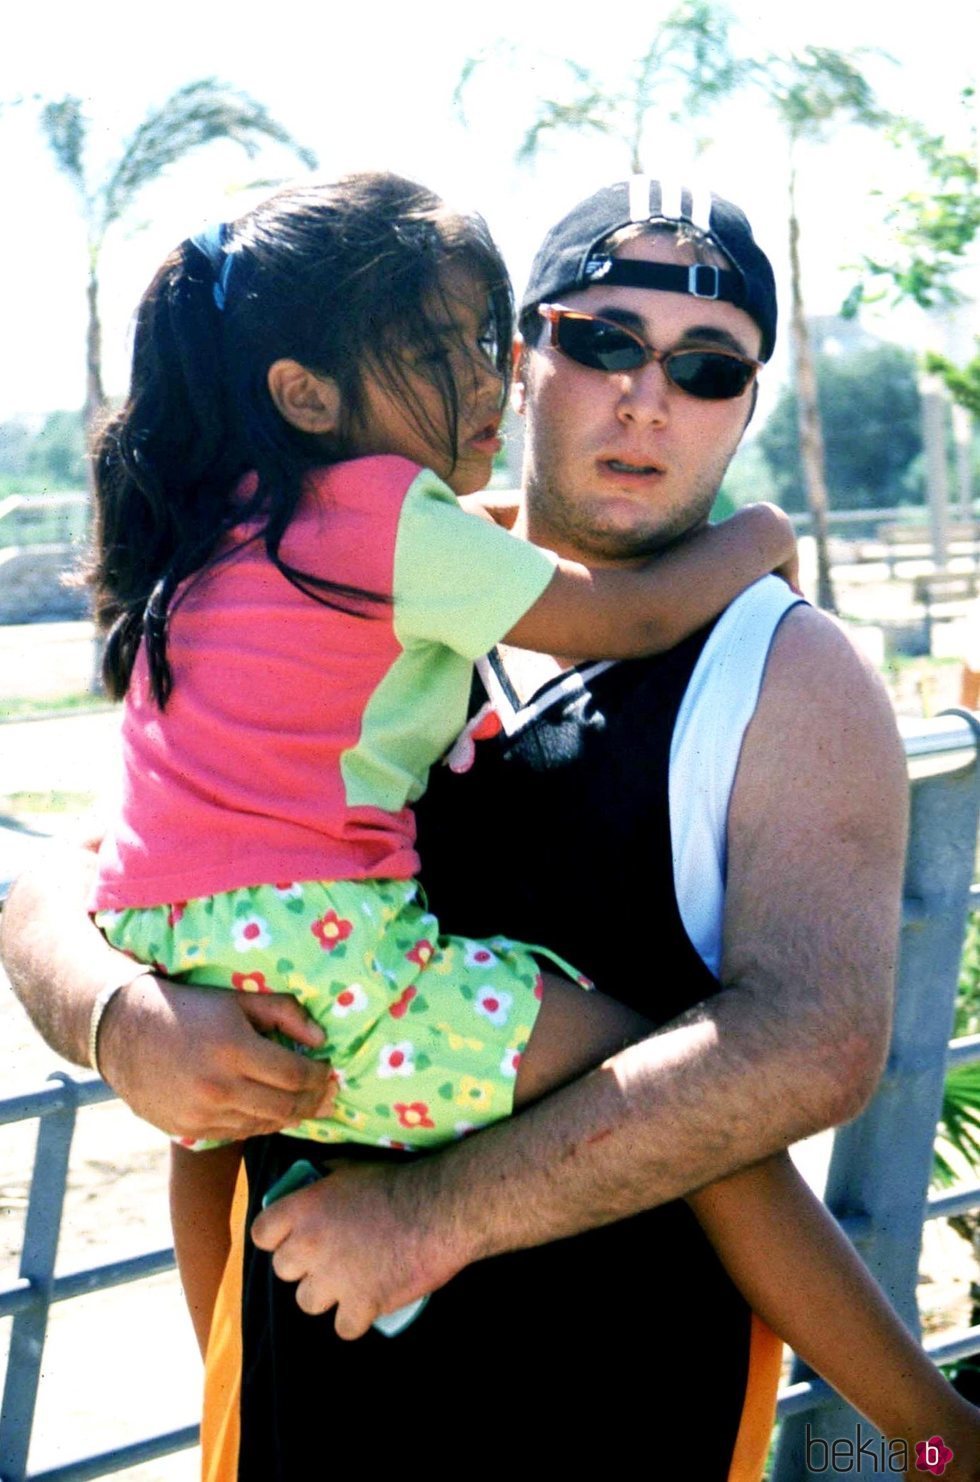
column 459, row 580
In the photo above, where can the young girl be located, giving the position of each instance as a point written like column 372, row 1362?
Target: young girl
column 294, row 601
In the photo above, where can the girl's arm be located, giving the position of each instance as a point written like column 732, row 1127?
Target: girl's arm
column 624, row 613
column 201, row 1189
column 800, row 1273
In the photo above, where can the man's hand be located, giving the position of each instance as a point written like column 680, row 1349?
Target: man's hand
column 355, row 1241
column 194, row 1062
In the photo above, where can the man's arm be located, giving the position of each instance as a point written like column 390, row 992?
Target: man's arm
column 188, row 1060
column 793, row 1042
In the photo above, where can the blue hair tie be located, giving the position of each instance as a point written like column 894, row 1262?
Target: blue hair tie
column 211, row 243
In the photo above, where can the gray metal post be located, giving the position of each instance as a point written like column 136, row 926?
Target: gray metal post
column 882, row 1163
column 41, row 1230
column 934, row 415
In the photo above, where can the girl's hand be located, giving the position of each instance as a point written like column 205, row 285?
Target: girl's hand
column 770, row 527
column 789, row 571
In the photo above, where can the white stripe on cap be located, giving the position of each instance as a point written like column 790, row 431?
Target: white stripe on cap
column 639, row 198
column 671, row 205
column 701, row 206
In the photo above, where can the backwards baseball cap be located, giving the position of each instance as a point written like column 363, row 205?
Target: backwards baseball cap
column 571, row 255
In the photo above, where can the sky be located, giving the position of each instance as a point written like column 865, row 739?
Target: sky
column 371, row 86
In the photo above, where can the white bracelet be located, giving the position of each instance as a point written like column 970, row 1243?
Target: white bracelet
column 98, row 1011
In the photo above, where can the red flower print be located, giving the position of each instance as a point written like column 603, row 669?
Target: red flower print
column 331, row 930
column 413, row 1114
column 539, row 987
column 398, row 1009
column 932, row 1456
column 421, row 953
column 176, row 911
column 250, row 983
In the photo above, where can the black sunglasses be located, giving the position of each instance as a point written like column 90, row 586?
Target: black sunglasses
column 602, row 344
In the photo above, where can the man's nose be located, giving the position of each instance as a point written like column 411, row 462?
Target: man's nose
column 645, row 394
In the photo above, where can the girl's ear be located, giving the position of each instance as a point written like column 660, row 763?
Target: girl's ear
column 308, row 402
column 518, row 389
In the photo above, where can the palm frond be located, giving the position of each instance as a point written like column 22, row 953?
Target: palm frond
column 581, row 113
column 63, row 124
column 959, row 1124
column 195, row 115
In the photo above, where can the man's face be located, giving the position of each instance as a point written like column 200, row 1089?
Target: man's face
column 619, row 464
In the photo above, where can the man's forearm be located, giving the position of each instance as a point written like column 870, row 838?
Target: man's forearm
column 194, row 1062
column 57, row 960
column 678, row 1111
column 714, row 1092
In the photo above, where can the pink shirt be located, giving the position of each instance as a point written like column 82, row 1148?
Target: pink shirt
column 297, row 735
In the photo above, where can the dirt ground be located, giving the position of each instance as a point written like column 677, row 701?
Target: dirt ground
column 119, row 1365
column 123, row 1364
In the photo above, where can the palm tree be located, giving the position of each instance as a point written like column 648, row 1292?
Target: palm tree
column 687, row 67
column 197, row 114
column 810, row 92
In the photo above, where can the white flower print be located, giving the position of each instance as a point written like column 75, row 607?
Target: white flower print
column 249, row 933
column 494, row 1004
column 350, row 1000
column 396, row 1059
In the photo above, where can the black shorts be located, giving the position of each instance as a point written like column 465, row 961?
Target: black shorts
column 634, row 1325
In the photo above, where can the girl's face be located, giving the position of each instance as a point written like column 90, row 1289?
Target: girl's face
column 415, row 425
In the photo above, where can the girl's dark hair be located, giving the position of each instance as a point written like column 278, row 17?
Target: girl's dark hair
column 343, row 278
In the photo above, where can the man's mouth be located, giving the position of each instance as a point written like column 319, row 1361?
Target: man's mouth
column 620, row 465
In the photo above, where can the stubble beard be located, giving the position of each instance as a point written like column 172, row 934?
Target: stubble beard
column 577, row 530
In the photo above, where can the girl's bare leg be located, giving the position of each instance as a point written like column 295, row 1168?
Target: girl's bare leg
column 201, row 1189
column 575, row 1031
column 784, row 1251
column 799, row 1272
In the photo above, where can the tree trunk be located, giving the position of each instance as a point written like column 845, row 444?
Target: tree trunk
column 808, row 412
column 94, row 394
column 94, row 409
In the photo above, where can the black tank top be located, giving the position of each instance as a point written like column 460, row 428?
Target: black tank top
column 623, row 1337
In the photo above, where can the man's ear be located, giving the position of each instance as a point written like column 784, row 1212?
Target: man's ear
column 308, row 402
column 518, row 384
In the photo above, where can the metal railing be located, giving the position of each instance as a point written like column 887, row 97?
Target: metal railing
column 878, row 1185
column 29, row 1299
column 880, row 1170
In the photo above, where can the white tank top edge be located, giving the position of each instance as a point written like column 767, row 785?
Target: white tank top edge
column 719, row 703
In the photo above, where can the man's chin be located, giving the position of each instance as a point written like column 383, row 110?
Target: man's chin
column 608, row 541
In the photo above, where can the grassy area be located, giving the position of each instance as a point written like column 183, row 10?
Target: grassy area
column 18, row 803
column 29, row 706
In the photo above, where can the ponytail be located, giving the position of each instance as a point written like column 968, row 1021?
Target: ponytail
column 162, row 472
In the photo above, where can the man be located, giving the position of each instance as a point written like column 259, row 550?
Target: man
column 716, row 835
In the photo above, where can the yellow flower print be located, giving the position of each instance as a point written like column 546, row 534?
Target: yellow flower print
column 304, row 990
column 353, row 1118
column 191, row 954
column 459, row 1042
column 474, row 1095
column 520, row 1037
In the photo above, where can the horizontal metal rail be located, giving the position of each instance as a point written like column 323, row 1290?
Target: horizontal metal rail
column 108, row 1462
column 29, row 1299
